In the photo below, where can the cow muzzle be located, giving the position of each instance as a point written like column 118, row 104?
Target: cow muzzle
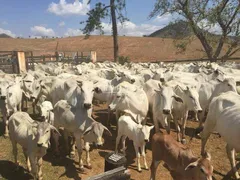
column 200, row 111
column 87, row 105
column 132, row 80
column 166, row 111
column 39, row 144
column 146, row 140
column 162, row 80
column 2, row 97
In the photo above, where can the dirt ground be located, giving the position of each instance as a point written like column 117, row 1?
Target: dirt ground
column 66, row 168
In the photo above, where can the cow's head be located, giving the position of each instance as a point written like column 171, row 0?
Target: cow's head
column 191, row 97
column 83, row 94
column 42, row 132
column 167, row 95
column 27, row 84
column 226, row 85
column 201, row 168
column 94, row 133
column 145, row 132
column 3, row 89
column 45, row 109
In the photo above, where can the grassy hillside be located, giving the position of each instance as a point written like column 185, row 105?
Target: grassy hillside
column 173, row 30
column 4, row 36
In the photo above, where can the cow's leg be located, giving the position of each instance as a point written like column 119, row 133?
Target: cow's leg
column 117, row 142
column 184, row 122
column 20, row 106
column 34, row 106
column 65, row 137
column 87, row 148
column 196, row 116
column 15, row 152
column 153, row 168
column 207, row 130
column 79, row 148
column 109, row 118
column 156, row 123
column 56, row 142
column 73, row 142
column 168, row 126
column 27, row 159
column 144, row 156
column 231, row 157
column 124, row 144
column 32, row 159
column 5, row 120
column 177, row 129
column 39, row 163
column 138, row 157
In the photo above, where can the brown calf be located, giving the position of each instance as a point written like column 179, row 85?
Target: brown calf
column 179, row 159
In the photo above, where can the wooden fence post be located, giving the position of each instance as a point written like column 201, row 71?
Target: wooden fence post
column 21, row 62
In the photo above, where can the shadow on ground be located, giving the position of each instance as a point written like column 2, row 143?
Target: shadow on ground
column 8, row 170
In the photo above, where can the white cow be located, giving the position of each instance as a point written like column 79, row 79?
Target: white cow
column 162, row 106
column 74, row 118
column 190, row 98
column 211, row 89
column 3, row 94
column 33, row 137
column 139, row 134
column 130, row 99
column 224, row 117
column 14, row 98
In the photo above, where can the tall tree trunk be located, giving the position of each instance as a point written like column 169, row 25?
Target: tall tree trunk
column 114, row 29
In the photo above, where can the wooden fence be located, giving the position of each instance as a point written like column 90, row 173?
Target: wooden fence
column 8, row 62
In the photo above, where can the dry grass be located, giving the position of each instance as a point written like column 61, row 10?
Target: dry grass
column 137, row 48
column 66, row 168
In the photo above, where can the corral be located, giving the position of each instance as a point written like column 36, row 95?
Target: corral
column 67, row 168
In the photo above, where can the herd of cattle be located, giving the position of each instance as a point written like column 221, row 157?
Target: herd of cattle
column 137, row 92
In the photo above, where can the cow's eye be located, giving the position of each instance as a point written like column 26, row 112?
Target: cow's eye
column 191, row 97
column 118, row 96
column 37, row 87
column 47, row 131
column 229, row 84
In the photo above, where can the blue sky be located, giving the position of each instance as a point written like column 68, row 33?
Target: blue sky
column 62, row 17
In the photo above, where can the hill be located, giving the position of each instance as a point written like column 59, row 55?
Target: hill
column 179, row 29
column 4, row 36
column 136, row 48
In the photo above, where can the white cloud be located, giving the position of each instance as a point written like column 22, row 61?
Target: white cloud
column 212, row 28
column 73, row 32
column 128, row 28
column 42, row 31
column 8, row 32
column 63, row 8
column 61, row 24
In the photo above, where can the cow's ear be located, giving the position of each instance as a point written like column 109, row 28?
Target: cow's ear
column 87, row 130
column 67, row 84
column 177, row 98
column 192, row 165
column 55, row 130
column 107, row 130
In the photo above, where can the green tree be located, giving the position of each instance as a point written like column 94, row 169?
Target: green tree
column 201, row 16
column 100, row 12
